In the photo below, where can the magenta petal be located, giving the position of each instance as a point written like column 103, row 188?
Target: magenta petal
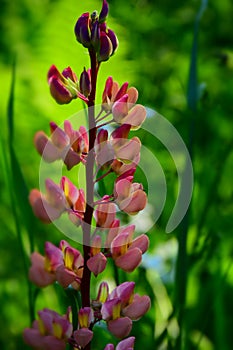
column 141, row 242
column 126, row 344
column 33, row 338
column 64, row 276
column 59, row 92
column 45, row 147
column 109, row 347
column 138, row 307
column 120, row 327
column 50, row 343
column 37, row 272
column 130, row 260
column 135, row 203
column 136, row 117
column 41, row 208
column 83, row 336
column 120, row 110
column 104, row 11
column 97, row 263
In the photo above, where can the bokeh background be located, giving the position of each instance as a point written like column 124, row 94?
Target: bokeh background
column 188, row 273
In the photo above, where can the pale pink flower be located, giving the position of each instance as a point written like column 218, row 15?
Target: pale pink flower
column 51, row 331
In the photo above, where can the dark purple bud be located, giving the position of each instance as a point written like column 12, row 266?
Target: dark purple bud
column 82, row 31
column 105, row 48
column 103, row 12
column 112, row 36
column 103, row 27
column 85, row 83
column 95, row 36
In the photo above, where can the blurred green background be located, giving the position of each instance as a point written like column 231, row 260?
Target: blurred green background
column 187, row 273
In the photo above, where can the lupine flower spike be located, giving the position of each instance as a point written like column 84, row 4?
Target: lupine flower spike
column 101, row 152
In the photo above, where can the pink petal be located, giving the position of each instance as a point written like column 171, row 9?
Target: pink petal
column 124, row 291
column 83, row 336
column 64, row 276
column 135, row 203
column 59, row 137
column 138, row 307
column 109, row 347
column 55, row 195
column 121, row 132
column 133, row 95
column 97, row 263
column 120, row 327
column 141, row 242
column 122, row 190
column 128, row 150
column 45, row 147
column 41, row 208
column 135, row 117
column 32, row 337
column 50, row 343
column 120, row 110
column 130, row 260
column 71, row 159
column 126, row 344
column 37, row 272
column 59, row 92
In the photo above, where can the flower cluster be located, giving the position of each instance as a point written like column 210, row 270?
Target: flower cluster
column 101, row 152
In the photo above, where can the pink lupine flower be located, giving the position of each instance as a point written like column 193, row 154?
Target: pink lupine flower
column 126, row 252
column 38, row 274
column 129, row 196
column 126, row 344
column 75, row 198
column 58, row 199
column 64, row 86
column 125, row 150
column 105, row 213
column 112, row 232
column 121, row 102
column 97, row 262
column 84, row 335
column 51, row 331
column 50, row 206
column 119, row 326
column 69, row 145
column 120, row 153
column 42, row 270
column 133, row 305
column 71, row 271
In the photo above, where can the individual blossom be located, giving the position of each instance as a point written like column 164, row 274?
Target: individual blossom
column 57, row 200
column 129, row 196
column 97, row 261
column 71, row 271
column 118, row 152
column 50, row 206
column 64, row 87
column 117, row 309
column 105, row 213
column 126, row 251
column 121, row 101
column 69, row 145
column 126, row 344
column 51, row 331
column 84, row 335
column 63, row 264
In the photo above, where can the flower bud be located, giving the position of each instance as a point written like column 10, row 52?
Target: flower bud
column 104, row 12
column 85, row 83
column 106, row 48
column 82, row 31
column 112, row 36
